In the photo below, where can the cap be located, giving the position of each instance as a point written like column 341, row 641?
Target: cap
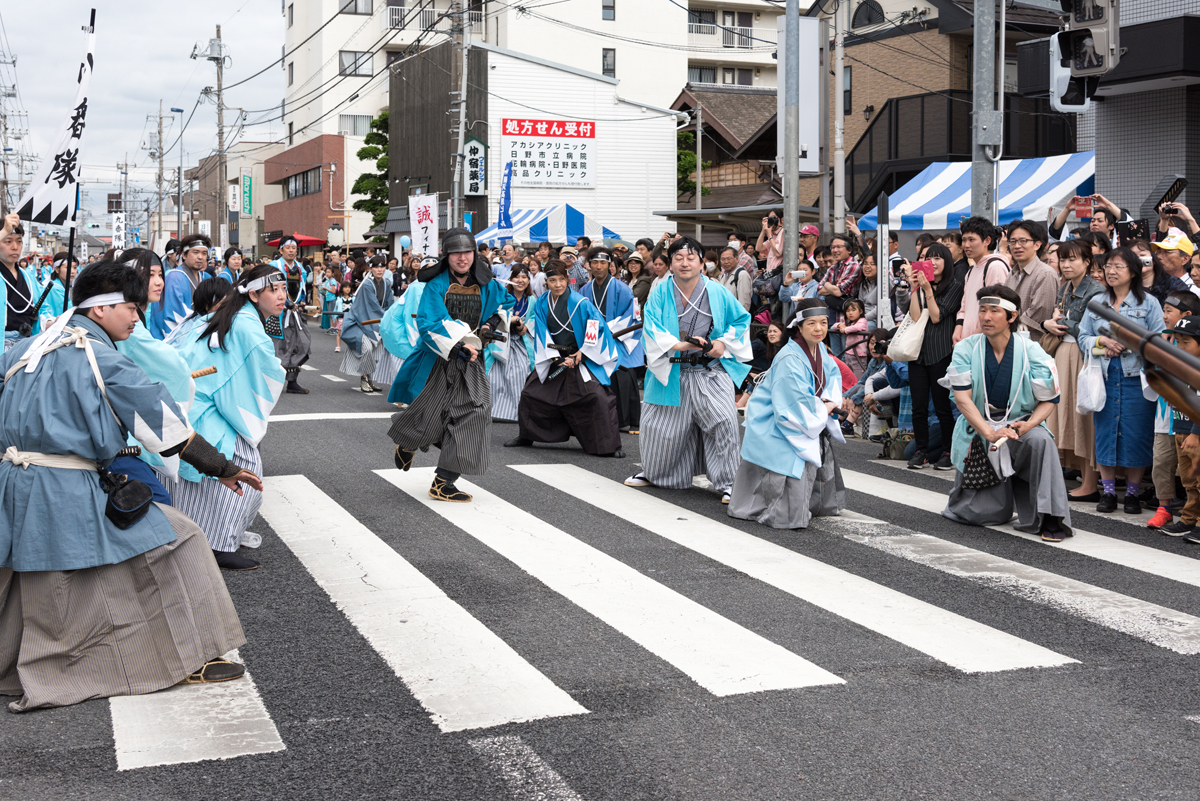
column 570, row 250
column 1187, row 326
column 1175, row 240
column 458, row 240
column 810, row 230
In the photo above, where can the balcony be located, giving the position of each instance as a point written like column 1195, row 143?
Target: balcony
column 399, row 17
column 709, row 34
column 910, row 133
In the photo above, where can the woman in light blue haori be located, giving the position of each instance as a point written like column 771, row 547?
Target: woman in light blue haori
column 789, row 472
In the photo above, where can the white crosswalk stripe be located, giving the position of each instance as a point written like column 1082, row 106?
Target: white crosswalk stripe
column 335, row 378
column 526, row 774
column 720, row 655
column 1109, row 549
column 192, row 723
column 307, row 367
column 948, row 637
column 462, row 673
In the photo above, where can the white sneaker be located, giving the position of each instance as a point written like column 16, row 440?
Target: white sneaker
column 638, row 480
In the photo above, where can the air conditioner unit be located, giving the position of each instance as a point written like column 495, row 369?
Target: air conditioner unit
column 343, row 133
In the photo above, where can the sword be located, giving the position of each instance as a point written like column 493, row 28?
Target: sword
column 629, row 330
column 206, row 371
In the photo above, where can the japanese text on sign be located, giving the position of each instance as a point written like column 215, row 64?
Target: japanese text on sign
column 550, row 153
column 423, row 216
column 475, row 164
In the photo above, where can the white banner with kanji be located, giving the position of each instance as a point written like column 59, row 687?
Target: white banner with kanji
column 423, row 220
column 550, row 153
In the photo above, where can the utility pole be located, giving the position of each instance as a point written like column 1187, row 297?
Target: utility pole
column 791, row 133
column 154, row 236
column 458, row 77
column 988, row 123
column 699, row 172
column 839, row 121
column 222, row 220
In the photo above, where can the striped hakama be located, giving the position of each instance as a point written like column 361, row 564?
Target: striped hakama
column 453, row 412
column 221, row 513
column 700, row 435
column 386, row 368
column 360, row 364
column 134, row 627
column 507, row 380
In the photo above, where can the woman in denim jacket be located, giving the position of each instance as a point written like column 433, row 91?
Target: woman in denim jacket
column 1125, row 426
column 1074, row 433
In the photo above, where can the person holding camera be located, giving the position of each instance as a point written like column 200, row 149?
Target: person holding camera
column 19, row 289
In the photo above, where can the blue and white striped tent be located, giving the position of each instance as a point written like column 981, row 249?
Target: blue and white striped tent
column 562, row 223
column 940, row 196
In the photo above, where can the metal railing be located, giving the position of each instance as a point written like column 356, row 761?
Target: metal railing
column 702, row 28
column 737, row 37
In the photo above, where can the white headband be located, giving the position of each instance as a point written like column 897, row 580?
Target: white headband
column 109, row 299
column 1007, row 305
column 804, row 314
column 197, row 245
column 51, row 335
column 259, row 284
column 59, row 263
column 601, row 257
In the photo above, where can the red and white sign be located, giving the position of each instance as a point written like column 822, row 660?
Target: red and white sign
column 592, row 334
column 423, row 220
column 549, row 153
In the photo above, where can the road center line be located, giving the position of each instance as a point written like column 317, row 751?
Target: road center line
column 462, row 673
column 1108, row 549
column 948, row 637
column 192, row 723
column 718, row 654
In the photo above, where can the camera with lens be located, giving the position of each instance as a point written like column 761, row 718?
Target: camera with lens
column 695, row 358
column 879, row 347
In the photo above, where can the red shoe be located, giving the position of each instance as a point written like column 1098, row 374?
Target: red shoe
column 1160, row 519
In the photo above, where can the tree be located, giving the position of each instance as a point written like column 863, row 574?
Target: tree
column 685, row 163
column 374, row 185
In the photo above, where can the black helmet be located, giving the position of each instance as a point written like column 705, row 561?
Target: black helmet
column 458, row 240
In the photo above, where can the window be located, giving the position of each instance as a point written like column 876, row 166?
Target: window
column 304, row 183
column 868, row 12
column 291, row 14
column 355, row 124
column 608, row 62
column 608, row 9
column 745, row 77
column 353, row 62
column 703, row 23
column 290, row 134
column 291, row 73
column 702, row 74
column 356, row 7
column 847, row 101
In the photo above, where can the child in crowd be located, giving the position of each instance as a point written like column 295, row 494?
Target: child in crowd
column 342, row 305
column 1187, row 441
column 854, row 327
column 1178, row 305
column 852, row 406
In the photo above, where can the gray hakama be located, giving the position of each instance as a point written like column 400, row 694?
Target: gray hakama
column 453, row 412
column 386, row 368
column 222, row 514
column 121, row 629
column 698, row 436
column 360, row 364
column 294, row 347
column 1035, row 488
column 780, row 501
column 507, row 379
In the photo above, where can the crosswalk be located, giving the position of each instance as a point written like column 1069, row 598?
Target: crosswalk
column 467, row 677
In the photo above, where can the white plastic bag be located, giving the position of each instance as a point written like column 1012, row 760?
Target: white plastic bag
column 905, row 344
column 1089, row 390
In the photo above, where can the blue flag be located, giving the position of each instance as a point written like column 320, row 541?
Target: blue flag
column 505, row 220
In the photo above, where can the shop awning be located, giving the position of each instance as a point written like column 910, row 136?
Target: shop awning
column 940, row 196
column 563, row 223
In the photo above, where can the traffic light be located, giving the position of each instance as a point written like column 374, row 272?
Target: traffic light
column 1088, row 48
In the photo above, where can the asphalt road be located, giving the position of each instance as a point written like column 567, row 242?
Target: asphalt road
column 692, row 657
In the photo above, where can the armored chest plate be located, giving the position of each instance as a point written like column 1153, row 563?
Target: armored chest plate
column 465, row 304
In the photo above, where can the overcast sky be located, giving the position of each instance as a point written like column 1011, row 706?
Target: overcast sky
column 142, row 56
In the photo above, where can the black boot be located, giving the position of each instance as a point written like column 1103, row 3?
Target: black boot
column 293, row 386
column 232, row 561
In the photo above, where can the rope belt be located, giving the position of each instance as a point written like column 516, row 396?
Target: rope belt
column 24, row 459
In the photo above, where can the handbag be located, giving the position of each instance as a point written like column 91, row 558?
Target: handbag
column 905, row 344
column 1050, row 342
column 978, row 473
column 1090, row 395
column 128, row 499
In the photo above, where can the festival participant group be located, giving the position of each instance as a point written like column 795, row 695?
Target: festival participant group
column 137, row 391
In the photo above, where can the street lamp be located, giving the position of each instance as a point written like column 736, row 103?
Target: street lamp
column 179, row 205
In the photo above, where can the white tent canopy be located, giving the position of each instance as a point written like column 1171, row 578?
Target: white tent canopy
column 562, row 223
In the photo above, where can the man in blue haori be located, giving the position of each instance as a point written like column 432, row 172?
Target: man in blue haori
column 19, row 291
column 444, row 381
column 1005, row 386
column 615, row 301
column 360, row 325
column 568, row 392
column 100, row 599
column 180, row 283
column 289, row 331
column 697, row 340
